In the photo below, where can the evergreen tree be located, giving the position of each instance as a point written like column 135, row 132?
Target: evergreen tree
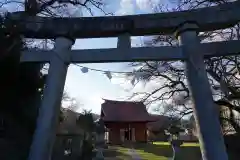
column 21, row 88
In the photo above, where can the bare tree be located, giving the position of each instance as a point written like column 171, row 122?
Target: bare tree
column 69, row 102
column 172, row 96
column 55, row 7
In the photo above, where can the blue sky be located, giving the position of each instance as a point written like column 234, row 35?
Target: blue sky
column 89, row 88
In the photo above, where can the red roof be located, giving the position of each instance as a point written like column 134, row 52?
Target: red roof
column 123, row 111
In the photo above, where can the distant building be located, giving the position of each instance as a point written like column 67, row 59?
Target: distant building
column 69, row 136
column 69, row 123
column 125, row 121
column 156, row 129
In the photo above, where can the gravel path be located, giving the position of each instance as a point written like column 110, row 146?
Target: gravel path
column 134, row 154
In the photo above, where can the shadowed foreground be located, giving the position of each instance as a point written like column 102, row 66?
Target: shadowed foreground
column 156, row 151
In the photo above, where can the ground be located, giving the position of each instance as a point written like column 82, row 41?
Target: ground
column 155, row 151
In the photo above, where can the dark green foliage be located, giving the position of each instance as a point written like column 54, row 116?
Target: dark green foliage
column 10, row 39
column 99, row 126
column 21, row 88
column 175, row 130
column 85, row 120
column 87, row 150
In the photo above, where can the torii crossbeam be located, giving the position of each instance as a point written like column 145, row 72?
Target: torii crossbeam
column 185, row 24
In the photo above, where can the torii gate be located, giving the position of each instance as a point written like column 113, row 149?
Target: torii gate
column 185, row 24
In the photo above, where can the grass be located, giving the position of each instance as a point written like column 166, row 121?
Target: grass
column 163, row 151
column 143, row 155
column 187, row 144
column 115, row 153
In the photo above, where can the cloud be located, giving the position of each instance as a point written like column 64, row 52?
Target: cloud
column 143, row 4
column 126, row 7
column 147, row 5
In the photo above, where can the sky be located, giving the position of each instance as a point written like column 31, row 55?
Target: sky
column 89, row 89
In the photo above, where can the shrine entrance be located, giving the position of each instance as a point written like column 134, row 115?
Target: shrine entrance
column 185, row 25
column 127, row 134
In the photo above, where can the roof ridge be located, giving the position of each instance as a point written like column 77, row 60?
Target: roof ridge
column 108, row 100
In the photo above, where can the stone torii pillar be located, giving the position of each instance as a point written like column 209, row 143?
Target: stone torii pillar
column 44, row 135
column 207, row 120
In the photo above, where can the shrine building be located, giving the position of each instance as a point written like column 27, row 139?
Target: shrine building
column 125, row 121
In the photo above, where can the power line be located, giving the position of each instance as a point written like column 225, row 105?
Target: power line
column 82, row 67
column 103, row 71
column 86, row 69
